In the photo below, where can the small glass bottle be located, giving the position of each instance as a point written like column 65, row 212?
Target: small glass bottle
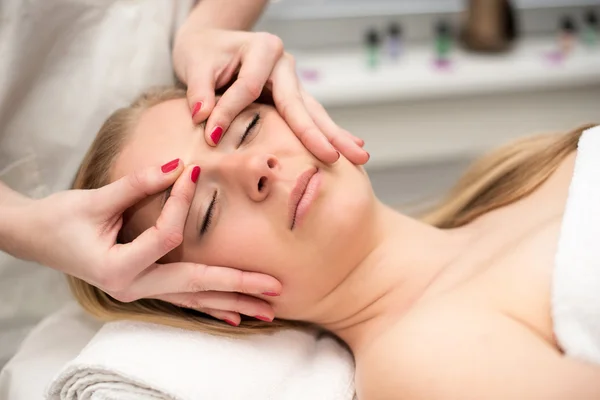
column 567, row 35
column 591, row 30
column 372, row 42
column 394, row 41
column 443, row 43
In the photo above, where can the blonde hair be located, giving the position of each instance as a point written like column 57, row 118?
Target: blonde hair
column 497, row 179
column 503, row 176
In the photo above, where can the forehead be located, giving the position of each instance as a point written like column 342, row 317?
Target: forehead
column 161, row 133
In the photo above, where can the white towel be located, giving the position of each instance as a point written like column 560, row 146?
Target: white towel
column 134, row 360
column 576, row 281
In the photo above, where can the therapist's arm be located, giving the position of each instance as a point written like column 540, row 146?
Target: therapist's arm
column 227, row 14
column 75, row 232
column 10, row 229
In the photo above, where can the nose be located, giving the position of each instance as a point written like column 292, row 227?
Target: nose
column 261, row 175
column 256, row 174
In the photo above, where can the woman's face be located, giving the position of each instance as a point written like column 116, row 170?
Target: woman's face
column 246, row 213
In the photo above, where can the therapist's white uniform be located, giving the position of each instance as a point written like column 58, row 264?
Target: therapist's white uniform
column 65, row 65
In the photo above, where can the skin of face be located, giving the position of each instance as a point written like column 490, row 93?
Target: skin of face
column 250, row 227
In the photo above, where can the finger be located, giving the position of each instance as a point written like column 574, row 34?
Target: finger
column 190, row 278
column 348, row 147
column 341, row 139
column 201, row 93
column 290, row 104
column 115, row 198
column 165, row 235
column 229, row 317
column 257, row 64
column 232, row 302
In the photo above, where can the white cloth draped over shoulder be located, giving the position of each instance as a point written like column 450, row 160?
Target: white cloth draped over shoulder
column 576, row 281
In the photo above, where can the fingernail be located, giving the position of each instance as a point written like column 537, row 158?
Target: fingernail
column 368, row 156
column 230, row 322
column 216, row 134
column 170, row 166
column 196, row 108
column 272, row 294
column 338, row 157
column 263, row 318
column 195, row 174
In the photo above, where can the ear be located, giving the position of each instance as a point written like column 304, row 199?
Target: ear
column 127, row 233
column 131, row 228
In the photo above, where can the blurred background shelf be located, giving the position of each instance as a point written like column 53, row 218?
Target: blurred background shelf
column 343, row 77
column 294, row 10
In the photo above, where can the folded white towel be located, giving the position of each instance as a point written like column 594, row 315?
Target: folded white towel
column 576, row 281
column 134, row 360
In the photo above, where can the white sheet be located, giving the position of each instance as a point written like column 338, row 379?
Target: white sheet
column 49, row 347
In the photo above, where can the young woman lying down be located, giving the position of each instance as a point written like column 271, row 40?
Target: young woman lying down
column 455, row 305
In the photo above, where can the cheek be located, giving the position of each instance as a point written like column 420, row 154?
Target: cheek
column 247, row 240
column 343, row 224
column 349, row 198
column 281, row 139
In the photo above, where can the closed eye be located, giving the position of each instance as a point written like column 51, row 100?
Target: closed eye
column 249, row 128
column 209, row 215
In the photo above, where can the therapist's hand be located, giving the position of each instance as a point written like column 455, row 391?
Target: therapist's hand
column 76, row 232
column 208, row 59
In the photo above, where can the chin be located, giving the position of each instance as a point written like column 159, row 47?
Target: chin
column 344, row 214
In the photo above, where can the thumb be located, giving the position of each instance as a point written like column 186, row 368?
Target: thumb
column 115, row 198
column 200, row 94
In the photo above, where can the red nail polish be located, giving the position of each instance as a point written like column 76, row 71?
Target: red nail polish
column 272, row 294
column 216, row 134
column 195, row 174
column 170, row 166
column 196, row 109
column 262, row 318
column 230, row 322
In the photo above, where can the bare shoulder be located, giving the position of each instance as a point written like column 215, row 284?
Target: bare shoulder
column 558, row 183
column 450, row 352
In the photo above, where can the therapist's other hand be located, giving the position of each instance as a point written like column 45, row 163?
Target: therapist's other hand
column 208, row 59
column 76, row 232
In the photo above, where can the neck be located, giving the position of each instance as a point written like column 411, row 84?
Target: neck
column 406, row 260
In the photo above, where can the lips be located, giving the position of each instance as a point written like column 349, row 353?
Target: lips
column 302, row 195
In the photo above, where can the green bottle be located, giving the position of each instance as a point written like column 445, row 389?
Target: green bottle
column 443, row 41
column 372, row 43
column 590, row 30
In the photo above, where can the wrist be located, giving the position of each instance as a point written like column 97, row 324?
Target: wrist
column 15, row 234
